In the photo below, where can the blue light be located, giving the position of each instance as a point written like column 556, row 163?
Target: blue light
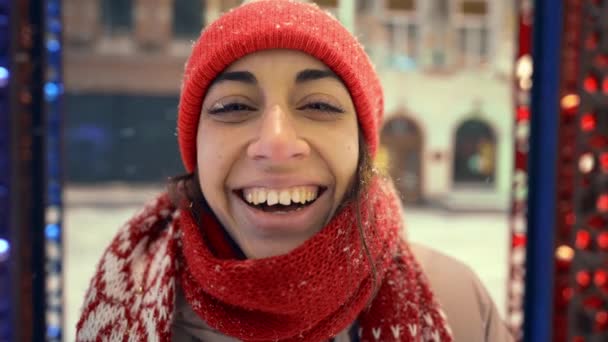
column 54, row 192
column 53, row 9
column 5, row 249
column 4, row 75
column 53, row 331
column 55, row 26
column 52, row 90
column 52, row 231
column 53, row 45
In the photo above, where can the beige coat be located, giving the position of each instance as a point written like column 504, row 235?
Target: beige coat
column 471, row 313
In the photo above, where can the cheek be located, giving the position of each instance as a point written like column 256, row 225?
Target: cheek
column 211, row 162
column 353, row 159
column 346, row 157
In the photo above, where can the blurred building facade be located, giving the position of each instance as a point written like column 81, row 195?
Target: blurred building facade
column 445, row 66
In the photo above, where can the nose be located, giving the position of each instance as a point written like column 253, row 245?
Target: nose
column 277, row 139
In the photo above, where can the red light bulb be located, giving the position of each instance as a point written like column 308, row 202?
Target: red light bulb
column 583, row 239
column 588, row 122
column 523, row 113
column 600, row 278
column 602, row 203
column 602, row 240
column 583, row 279
column 601, row 320
column 519, row 240
column 604, row 161
column 591, row 84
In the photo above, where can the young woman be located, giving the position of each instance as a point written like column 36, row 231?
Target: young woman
column 281, row 230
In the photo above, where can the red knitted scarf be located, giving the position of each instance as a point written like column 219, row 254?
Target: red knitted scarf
column 321, row 287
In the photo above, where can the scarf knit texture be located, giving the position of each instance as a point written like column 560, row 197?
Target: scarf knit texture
column 310, row 294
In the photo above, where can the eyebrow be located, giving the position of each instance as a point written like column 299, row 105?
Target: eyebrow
column 315, row 74
column 238, row 76
column 247, row 77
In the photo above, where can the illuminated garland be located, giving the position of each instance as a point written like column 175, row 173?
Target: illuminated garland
column 518, row 221
column 581, row 244
column 5, row 176
column 53, row 90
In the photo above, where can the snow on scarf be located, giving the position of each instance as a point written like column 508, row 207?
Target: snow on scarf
column 309, row 294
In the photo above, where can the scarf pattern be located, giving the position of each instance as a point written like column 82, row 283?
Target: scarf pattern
column 309, row 294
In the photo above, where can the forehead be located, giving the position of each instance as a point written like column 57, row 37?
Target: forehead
column 275, row 59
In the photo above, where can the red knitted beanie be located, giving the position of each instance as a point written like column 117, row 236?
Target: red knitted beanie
column 274, row 24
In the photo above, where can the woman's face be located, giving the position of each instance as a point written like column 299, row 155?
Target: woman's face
column 277, row 149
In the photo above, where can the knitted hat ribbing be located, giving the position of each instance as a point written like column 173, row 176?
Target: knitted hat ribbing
column 274, row 24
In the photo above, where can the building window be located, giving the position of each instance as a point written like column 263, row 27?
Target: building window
column 474, row 153
column 474, row 7
column 401, row 5
column 401, row 146
column 226, row 5
column 483, row 44
column 473, row 43
column 403, row 40
column 327, row 3
column 117, row 16
column 439, row 28
column 188, row 18
column 365, row 6
column 441, row 10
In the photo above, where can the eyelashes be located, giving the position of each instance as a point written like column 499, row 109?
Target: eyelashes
column 237, row 107
column 322, row 107
column 229, row 107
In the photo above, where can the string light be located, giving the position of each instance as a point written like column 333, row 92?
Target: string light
column 570, row 103
column 586, row 163
column 6, row 301
column 602, row 203
column 53, row 91
column 591, row 83
column 588, row 122
column 583, row 279
column 583, row 239
column 4, row 77
column 5, row 249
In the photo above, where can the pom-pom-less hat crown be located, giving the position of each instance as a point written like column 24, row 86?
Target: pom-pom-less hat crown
column 277, row 24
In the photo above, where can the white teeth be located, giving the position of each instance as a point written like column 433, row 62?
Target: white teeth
column 272, row 198
column 285, row 197
column 261, row 195
column 304, row 196
column 311, row 194
column 300, row 194
column 295, row 195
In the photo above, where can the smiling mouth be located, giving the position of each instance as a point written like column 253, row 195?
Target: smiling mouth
column 280, row 200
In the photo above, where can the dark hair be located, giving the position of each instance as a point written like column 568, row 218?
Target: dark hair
column 185, row 193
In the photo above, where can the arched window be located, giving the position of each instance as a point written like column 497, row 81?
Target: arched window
column 474, row 154
column 402, row 144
